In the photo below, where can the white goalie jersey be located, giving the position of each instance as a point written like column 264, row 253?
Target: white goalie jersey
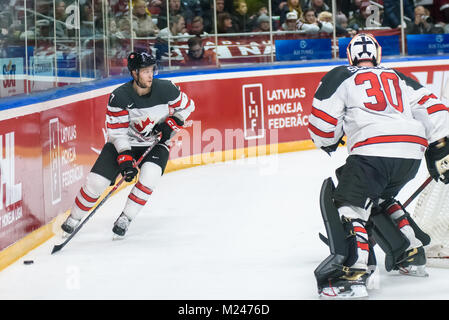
column 381, row 111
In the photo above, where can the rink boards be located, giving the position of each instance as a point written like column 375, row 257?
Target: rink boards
column 49, row 141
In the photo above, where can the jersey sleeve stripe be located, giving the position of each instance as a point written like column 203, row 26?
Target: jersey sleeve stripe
column 436, row 108
column 320, row 133
column 177, row 102
column 391, row 139
column 182, row 103
column 189, row 104
column 121, row 119
column 324, row 116
column 175, row 105
column 117, row 125
column 427, row 97
column 117, row 114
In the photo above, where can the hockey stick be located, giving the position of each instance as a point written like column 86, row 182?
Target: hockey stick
column 417, row 192
column 58, row 247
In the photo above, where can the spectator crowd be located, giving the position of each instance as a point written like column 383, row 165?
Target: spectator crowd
column 191, row 20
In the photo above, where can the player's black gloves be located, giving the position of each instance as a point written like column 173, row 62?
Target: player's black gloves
column 168, row 128
column 333, row 147
column 437, row 160
column 126, row 163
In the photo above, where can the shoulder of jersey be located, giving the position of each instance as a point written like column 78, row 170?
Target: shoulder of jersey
column 163, row 83
column 166, row 88
column 119, row 96
column 409, row 81
column 332, row 80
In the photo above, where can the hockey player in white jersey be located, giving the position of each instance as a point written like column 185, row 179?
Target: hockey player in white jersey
column 138, row 113
column 390, row 121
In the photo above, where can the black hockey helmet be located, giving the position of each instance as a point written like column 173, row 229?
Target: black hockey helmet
column 138, row 60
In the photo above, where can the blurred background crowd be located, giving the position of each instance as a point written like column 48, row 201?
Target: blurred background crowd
column 95, row 36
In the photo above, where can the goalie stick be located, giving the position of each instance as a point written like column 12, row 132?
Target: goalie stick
column 58, row 247
column 417, row 192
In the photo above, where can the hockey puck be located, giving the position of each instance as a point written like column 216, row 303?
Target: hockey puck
column 28, row 261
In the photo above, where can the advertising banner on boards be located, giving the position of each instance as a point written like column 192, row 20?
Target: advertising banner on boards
column 45, row 155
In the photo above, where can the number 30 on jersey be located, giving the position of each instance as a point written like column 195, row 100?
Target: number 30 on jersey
column 383, row 87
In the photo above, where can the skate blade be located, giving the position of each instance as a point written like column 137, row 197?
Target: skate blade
column 357, row 292
column 414, row 271
column 65, row 235
column 116, row 237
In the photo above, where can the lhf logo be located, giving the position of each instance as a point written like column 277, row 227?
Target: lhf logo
column 253, row 124
column 55, row 165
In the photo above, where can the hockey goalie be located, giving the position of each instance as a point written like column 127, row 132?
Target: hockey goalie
column 390, row 122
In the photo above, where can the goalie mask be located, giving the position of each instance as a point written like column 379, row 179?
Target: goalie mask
column 364, row 47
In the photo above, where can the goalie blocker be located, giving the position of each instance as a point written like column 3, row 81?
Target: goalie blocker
column 342, row 244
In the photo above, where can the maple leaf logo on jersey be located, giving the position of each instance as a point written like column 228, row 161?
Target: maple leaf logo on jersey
column 141, row 126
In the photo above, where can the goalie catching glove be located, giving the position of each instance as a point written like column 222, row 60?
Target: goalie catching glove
column 168, row 128
column 126, row 162
column 437, row 159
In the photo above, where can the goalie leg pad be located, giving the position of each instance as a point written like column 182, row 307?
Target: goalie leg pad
column 392, row 241
column 405, row 223
column 336, row 236
column 419, row 233
column 341, row 240
column 334, row 228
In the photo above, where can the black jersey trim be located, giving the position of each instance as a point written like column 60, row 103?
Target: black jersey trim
column 331, row 81
column 409, row 81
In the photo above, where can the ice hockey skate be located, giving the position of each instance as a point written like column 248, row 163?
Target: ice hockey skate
column 69, row 225
column 345, row 289
column 120, row 227
column 413, row 263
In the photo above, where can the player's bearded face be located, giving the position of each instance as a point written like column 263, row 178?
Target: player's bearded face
column 144, row 77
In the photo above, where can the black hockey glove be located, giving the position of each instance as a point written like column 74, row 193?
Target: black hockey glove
column 333, row 147
column 126, row 163
column 168, row 128
column 437, row 160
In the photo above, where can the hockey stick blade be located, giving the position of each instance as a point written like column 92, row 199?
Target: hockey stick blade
column 58, row 247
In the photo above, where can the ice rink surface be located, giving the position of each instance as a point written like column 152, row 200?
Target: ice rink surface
column 246, row 229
